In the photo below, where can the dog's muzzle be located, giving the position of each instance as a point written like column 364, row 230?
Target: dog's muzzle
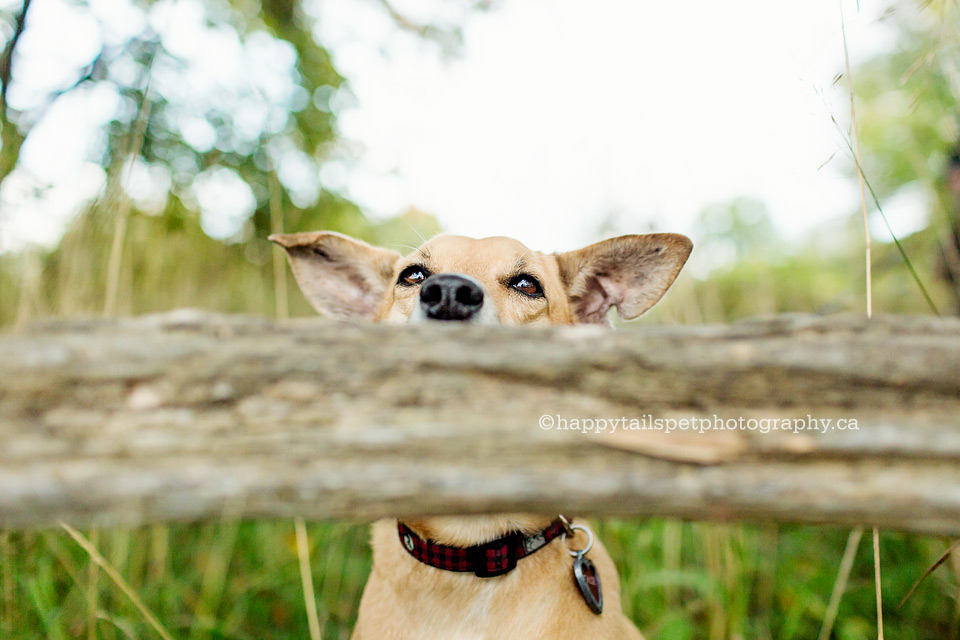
column 448, row 296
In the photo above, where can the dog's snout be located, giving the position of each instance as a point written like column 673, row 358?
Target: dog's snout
column 447, row 296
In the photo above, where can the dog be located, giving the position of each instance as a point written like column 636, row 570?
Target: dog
column 499, row 577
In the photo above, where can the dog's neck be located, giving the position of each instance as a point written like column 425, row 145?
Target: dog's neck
column 466, row 531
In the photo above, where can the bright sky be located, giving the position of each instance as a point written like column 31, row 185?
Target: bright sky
column 559, row 118
column 562, row 113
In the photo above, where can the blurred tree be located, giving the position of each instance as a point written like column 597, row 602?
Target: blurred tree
column 742, row 228
column 909, row 115
column 222, row 112
column 11, row 140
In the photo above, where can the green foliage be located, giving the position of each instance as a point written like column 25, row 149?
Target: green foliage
column 202, row 581
column 678, row 581
column 771, row 582
column 167, row 257
column 909, row 100
column 169, row 262
column 742, row 227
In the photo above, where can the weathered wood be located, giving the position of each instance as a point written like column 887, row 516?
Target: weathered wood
column 185, row 415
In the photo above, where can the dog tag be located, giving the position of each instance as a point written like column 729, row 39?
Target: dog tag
column 585, row 575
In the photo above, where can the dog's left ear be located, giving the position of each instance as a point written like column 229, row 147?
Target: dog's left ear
column 341, row 277
column 630, row 273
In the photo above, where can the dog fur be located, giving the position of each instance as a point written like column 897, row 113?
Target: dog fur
column 350, row 280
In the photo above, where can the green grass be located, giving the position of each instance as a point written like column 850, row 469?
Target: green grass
column 679, row 581
column 224, row 580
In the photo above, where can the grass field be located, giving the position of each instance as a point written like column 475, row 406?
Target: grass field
column 679, row 581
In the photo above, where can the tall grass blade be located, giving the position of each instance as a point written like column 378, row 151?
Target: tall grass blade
column 108, row 569
column 306, row 578
column 896, row 241
column 876, row 577
column 860, row 176
column 931, row 569
column 840, row 584
column 123, row 201
column 93, row 589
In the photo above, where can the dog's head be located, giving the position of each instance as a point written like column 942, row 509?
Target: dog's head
column 488, row 281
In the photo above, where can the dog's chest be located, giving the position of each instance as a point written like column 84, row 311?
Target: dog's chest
column 465, row 618
column 466, row 624
column 483, row 610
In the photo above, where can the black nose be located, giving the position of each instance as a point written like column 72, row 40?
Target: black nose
column 447, row 296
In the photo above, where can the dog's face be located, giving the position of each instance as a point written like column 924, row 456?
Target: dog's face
column 488, row 281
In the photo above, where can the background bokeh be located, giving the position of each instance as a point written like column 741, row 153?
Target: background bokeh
column 148, row 148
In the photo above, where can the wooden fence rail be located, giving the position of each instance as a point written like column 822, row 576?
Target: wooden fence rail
column 187, row 415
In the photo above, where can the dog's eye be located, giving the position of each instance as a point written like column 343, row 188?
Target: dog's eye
column 412, row 275
column 527, row 285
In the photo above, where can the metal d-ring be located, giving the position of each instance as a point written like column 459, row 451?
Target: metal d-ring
column 586, row 549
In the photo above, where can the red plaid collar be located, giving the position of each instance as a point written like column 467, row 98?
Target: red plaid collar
column 486, row 560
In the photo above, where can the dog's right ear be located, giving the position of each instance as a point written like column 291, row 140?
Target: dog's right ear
column 341, row 277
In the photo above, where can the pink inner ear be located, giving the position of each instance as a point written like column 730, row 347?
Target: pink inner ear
column 614, row 291
column 340, row 289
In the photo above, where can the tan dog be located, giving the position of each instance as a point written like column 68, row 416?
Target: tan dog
column 494, row 280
